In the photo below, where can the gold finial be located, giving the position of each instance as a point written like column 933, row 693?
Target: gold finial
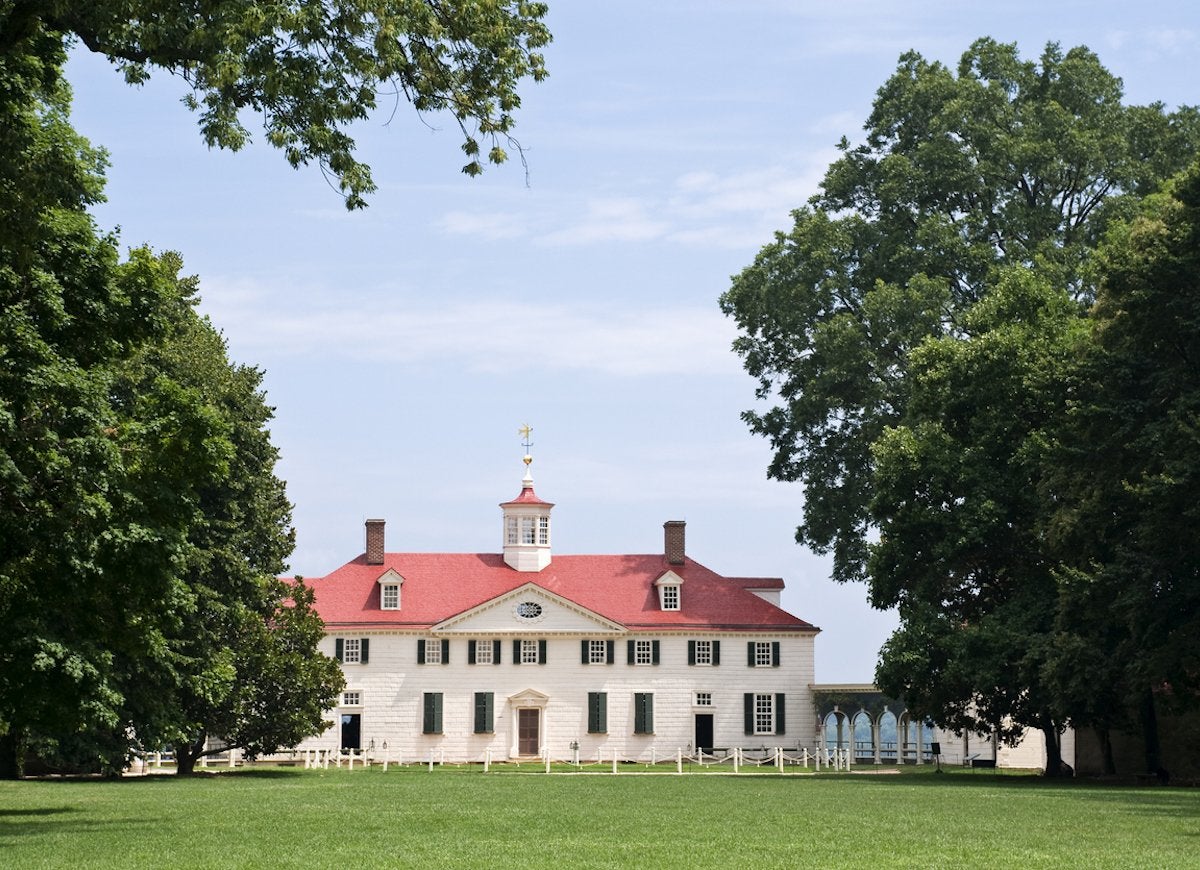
column 525, row 431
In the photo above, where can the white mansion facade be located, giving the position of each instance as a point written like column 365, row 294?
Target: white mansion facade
column 524, row 652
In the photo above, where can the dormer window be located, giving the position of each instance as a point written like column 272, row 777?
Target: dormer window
column 669, row 593
column 389, row 590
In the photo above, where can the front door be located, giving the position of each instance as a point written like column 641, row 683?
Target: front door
column 527, row 731
column 704, row 731
column 351, row 731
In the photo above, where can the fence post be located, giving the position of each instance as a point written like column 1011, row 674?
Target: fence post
column 614, row 760
column 779, row 758
column 487, row 760
column 678, row 760
column 431, row 761
column 737, row 756
column 546, row 753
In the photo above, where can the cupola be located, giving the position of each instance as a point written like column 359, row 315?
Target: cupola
column 527, row 525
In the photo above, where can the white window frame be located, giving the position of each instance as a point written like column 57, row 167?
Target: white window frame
column 764, row 713
column 762, row 654
column 351, row 650
column 597, row 652
column 483, row 652
column 704, row 699
column 704, row 652
column 391, row 590
column 352, row 698
column 529, row 652
column 643, row 652
column 433, row 651
column 670, row 597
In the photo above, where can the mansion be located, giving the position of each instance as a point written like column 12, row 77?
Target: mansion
column 525, row 652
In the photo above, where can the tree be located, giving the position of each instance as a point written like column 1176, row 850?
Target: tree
column 1007, row 162
column 958, row 505
column 915, row 326
column 311, row 68
column 141, row 524
column 1127, row 472
column 238, row 658
column 70, row 313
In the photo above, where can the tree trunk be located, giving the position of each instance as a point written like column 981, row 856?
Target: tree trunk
column 1106, row 750
column 12, row 756
column 186, row 756
column 1054, row 765
column 1149, row 719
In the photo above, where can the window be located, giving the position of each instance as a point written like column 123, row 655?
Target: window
column 483, row 652
column 543, row 530
column 351, row 650
column 484, row 717
column 351, row 699
column 704, row 699
column 643, row 712
column 764, row 713
column 433, row 651
column 598, row 652
column 529, row 652
column 431, row 722
column 389, row 596
column 704, row 652
column 763, row 654
column 670, row 597
column 597, row 712
column 642, row 652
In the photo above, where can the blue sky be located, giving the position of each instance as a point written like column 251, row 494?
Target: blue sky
column 404, row 345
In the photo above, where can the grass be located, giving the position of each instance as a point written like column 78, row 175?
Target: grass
column 461, row 817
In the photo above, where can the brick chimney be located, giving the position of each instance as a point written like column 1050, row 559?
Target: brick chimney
column 374, row 542
column 673, row 541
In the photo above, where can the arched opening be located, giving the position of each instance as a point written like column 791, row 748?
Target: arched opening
column 888, row 737
column 864, row 738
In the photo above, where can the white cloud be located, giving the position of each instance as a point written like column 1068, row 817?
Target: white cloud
column 472, row 335
column 700, row 208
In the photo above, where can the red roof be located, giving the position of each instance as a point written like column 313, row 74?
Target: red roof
column 438, row 586
column 527, row 496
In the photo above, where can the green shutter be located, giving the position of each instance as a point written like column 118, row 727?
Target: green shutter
column 470, row 652
column 779, row 719
column 541, row 652
column 338, row 648
column 433, row 713
column 516, row 652
column 643, row 713
column 653, row 652
column 584, row 651
column 612, row 645
column 629, row 650
column 750, row 653
column 775, row 654
column 483, row 712
column 749, row 704
column 364, row 647
column 421, row 651
column 716, row 647
column 496, row 652
column 691, row 652
column 445, row 651
column 597, row 712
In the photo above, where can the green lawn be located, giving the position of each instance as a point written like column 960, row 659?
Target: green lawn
column 409, row 817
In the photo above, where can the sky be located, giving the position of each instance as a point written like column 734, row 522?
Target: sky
column 404, row 345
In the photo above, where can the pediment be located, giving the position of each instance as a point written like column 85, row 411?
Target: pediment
column 389, row 576
column 669, row 578
column 529, row 698
column 528, row 610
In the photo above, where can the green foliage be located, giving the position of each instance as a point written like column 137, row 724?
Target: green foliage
column 921, row 327
column 141, row 524
column 311, row 68
column 962, row 174
column 1127, row 468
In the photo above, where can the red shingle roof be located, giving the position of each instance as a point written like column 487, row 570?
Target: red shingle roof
column 438, row 586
